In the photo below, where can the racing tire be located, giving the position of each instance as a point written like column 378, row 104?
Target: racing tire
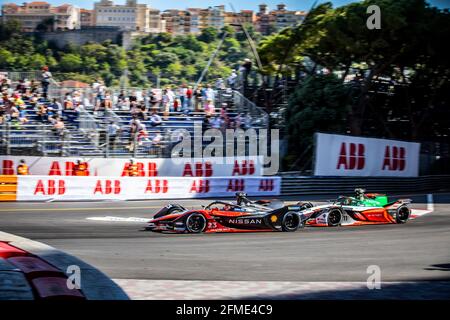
column 291, row 222
column 175, row 208
column 196, row 223
column 403, row 214
column 334, row 218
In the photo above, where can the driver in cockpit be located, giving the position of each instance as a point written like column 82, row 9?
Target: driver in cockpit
column 241, row 199
column 359, row 194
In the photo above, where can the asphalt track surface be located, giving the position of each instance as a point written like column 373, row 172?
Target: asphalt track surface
column 416, row 251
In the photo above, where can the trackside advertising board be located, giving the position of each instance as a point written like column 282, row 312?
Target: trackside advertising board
column 338, row 155
column 113, row 167
column 43, row 188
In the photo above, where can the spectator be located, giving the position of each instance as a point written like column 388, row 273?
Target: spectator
column 189, row 97
column 155, row 119
column 68, row 102
column 42, row 112
column 58, row 127
column 209, row 108
column 46, row 78
column 232, row 79
column 157, row 138
column 80, row 169
column 209, row 93
column 113, row 131
column 22, row 168
column 23, row 115
column 216, row 123
column 198, row 99
column 132, row 169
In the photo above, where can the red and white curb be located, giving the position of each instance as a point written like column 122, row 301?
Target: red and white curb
column 33, row 270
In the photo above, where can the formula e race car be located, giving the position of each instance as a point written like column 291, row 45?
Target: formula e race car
column 363, row 208
column 225, row 216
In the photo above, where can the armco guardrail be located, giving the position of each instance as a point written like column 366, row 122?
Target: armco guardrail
column 338, row 185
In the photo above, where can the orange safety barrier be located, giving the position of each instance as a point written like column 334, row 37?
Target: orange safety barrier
column 8, row 187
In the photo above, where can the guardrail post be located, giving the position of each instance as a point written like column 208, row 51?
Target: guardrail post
column 44, row 139
column 135, row 144
column 8, row 140
column 107, row 144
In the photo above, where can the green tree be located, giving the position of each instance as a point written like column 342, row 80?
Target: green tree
column 70, row 62
column 208, row 35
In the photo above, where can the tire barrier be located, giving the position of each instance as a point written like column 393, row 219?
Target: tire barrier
column 8, row 187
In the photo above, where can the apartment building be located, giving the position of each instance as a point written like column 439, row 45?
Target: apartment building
column 32, row 14
column 87, row 18
column 131, row 16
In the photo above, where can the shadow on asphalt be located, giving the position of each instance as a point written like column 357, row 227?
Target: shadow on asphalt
column 439, row 267
column 421, row 290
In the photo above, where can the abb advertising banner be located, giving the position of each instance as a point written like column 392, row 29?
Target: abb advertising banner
column 43, row 188
column 338, row 155
column 110, row 167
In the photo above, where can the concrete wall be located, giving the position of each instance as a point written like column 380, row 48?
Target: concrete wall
column 80, row 37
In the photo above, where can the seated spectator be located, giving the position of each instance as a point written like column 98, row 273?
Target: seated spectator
column 42, row 112
column 22, row 115
column 157, row 138
column 58, row 126
column 14, row 113
column 216, row 123
column 155, row 119
column 68, row 102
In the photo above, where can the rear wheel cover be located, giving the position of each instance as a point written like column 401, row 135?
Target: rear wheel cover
column 196, row 223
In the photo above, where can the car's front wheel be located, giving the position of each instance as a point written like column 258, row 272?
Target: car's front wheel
column 195, row 223
column 291, row 222
column 334, row 218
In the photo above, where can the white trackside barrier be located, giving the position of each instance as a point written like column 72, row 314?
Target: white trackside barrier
column 338, row 155
column 113, row 167
column 60, row 188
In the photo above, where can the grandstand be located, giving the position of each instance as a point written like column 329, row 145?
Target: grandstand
column 85, row 130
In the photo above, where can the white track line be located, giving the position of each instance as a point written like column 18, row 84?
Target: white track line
column 119, row 219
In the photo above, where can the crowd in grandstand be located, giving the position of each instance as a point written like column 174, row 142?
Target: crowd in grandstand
column 146, row 107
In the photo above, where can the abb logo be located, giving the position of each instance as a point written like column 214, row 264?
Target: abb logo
column 351, row 156
column 157, row 186
column 201, row 170
column 107, row 187
column 266, row 185
column 394, row 158
column 199, row 186
column 51, row 187
column 150, row 171
column 246, row 168
column 236, row 185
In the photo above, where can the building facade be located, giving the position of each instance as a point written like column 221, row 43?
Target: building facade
column 87, row 18
column 42, row 14
column 130, row 16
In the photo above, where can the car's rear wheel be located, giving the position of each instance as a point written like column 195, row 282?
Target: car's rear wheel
column 291, row 222
column 195, row 223
column 403, row 214
column 334, row 218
